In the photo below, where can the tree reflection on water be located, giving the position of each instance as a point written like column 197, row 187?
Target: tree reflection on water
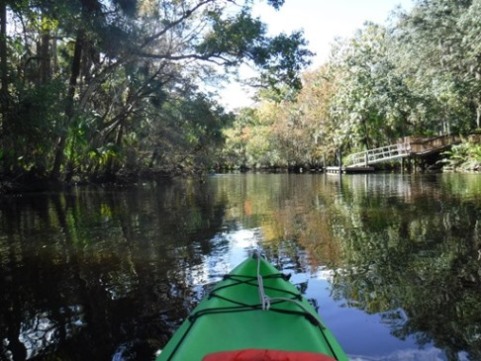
column 106, row 274
column 412, row 258
column 86, row 271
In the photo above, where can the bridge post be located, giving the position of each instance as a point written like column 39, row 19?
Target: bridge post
column 366, row 159
column 339, row 152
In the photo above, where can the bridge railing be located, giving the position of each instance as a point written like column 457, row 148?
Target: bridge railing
column 405, row 147
column 377, row 155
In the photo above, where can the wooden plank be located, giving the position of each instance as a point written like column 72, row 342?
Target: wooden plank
column 349, row 170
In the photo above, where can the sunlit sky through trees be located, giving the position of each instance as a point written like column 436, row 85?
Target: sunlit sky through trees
column 322, row 21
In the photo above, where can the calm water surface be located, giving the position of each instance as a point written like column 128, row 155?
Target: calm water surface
column 392, row 262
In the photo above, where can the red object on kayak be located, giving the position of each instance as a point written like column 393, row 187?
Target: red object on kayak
column 266, row 355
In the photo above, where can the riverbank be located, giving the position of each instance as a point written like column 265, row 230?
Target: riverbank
column 34, row 182
column 30, row 182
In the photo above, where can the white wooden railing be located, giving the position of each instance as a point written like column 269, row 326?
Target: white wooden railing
column 378, row 155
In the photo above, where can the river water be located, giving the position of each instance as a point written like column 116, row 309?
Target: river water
column 392, row 262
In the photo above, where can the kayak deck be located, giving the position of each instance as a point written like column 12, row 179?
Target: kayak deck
column 254, row 307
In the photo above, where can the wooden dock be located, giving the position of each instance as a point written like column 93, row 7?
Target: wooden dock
column 349, row 170
column 407, row 147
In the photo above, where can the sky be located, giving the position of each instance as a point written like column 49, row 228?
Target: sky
column 322, row 21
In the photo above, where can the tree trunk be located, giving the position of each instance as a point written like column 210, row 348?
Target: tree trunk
column 3, row 50
column 111, row 164
column 4, row 83
column 45, row 58
column 54, row 53
column 478, row 115
column 69, row 106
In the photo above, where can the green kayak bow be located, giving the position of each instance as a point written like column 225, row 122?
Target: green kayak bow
column 254, row 313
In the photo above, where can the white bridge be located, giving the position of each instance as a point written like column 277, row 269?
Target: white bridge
column 378, row 155
column 405, row 147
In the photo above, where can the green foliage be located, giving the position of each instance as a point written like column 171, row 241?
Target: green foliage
column 276, row 3
column 419, row 76
column 95, row 87
column 232, row 36
column 372, row 101
column 280, row 58
column 34, row 121
column 111, row 80
column 432, row 50
column 187, row 133
column 464, row 156
column 287, row 56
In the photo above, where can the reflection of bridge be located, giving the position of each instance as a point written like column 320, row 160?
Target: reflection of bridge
column 405, row 147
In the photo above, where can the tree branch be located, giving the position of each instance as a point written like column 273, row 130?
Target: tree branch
column 215, row 58
column 174, row 23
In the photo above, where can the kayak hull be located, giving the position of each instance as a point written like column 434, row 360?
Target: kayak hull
column 233, row 317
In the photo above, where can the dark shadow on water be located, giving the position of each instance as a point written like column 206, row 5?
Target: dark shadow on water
column 93, row 274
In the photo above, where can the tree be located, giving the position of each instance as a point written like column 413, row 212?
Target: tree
column 101, row 67
column 431, row 54
column 372, row 101
column 4, row 79
column 314, row 100
column 187, row 133
column 470, row 28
